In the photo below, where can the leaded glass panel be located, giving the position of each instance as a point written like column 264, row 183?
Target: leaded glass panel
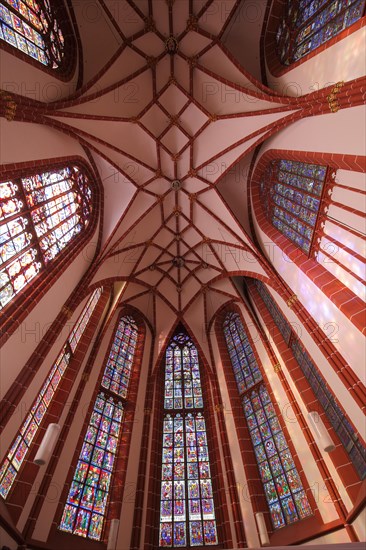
column 39, row 216
column 23, row 440
column 286, row 498
column 187, row 511
column 307, row 25
column 182, row 375
column 22, row 443
column 31, row 27
column 86, row 503
column 278, row 472
column 290, row 194
column 118, row 369
column 346, row 433
column 82, row 322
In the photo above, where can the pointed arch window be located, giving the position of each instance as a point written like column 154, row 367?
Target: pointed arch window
column 187, row 511
column 337, row 418
column 285, row 495
column 23, row 441
column 40, row 216
column 307, row 24
column 36, row 29
column 291, row 194
column 87, row 501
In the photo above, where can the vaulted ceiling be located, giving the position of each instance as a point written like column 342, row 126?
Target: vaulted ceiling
column 166, row 119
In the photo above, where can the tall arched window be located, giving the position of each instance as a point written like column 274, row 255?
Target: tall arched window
column 23, row 441
column 311, row 205
column 283, row 489
column 187, row 511
column 86, row 505
column 37, row 29
column 336, row 416
column 308, row 24
column 40, row 215
column 291, row 193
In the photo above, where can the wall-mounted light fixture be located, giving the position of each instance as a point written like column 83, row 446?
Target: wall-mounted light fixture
column 262, row 528
column 48, row 444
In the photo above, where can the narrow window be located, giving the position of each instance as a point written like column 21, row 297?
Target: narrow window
column 34, row 28
column 307, row 24
column 86, row 505
column 22, row 443
column 187, row 511
column 282, row 485
column 346, row 433
column 40, row 215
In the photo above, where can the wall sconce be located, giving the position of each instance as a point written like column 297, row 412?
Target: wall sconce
column 262, row 528
column 48, row 444
column 321, row 433
column 112, row 537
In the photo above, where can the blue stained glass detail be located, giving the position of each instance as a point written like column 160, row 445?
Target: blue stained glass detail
column 346, row 433
column 86, row 503
column 118, row 369
column 33, row 29
column 307, row 26
column 277, row 469
column 290, row 194
column 187, row 512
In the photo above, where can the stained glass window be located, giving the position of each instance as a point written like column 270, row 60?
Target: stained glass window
column 118, row 370
column 87, row 499
column 21, row 444
column 86, row 505
column 187, row 511
column 346, row 433
column 290, row 194
column 39, row 216
column 182, row 375
column 309, row 23
column 83, row 320
column 282, row 485
column 31, row 27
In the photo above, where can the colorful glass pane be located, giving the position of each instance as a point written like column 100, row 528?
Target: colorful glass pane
column 83, row 320
column 32, row 28
column 22, row 442
column 307, row 25
column 278, row 473
column 186, row 487
column 290, row 194
column 187, row 511
column 245, row 366
column 347, row 435
column 117, row 373
column 39, row 216
column 182, row 375
column 86, row 503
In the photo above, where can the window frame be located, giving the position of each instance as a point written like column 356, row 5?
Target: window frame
column 183, row 412
column 64, row 16
column 55, row 379
column 245, row 396
column 155, row 470
column 19, row 307
column 269, row 47
column 298, row 531
column 118, row 476
column 328, row 182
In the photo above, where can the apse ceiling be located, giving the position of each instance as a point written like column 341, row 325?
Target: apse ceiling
column 166, row 118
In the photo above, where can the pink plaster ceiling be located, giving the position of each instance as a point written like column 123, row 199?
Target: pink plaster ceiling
column 170, row 103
